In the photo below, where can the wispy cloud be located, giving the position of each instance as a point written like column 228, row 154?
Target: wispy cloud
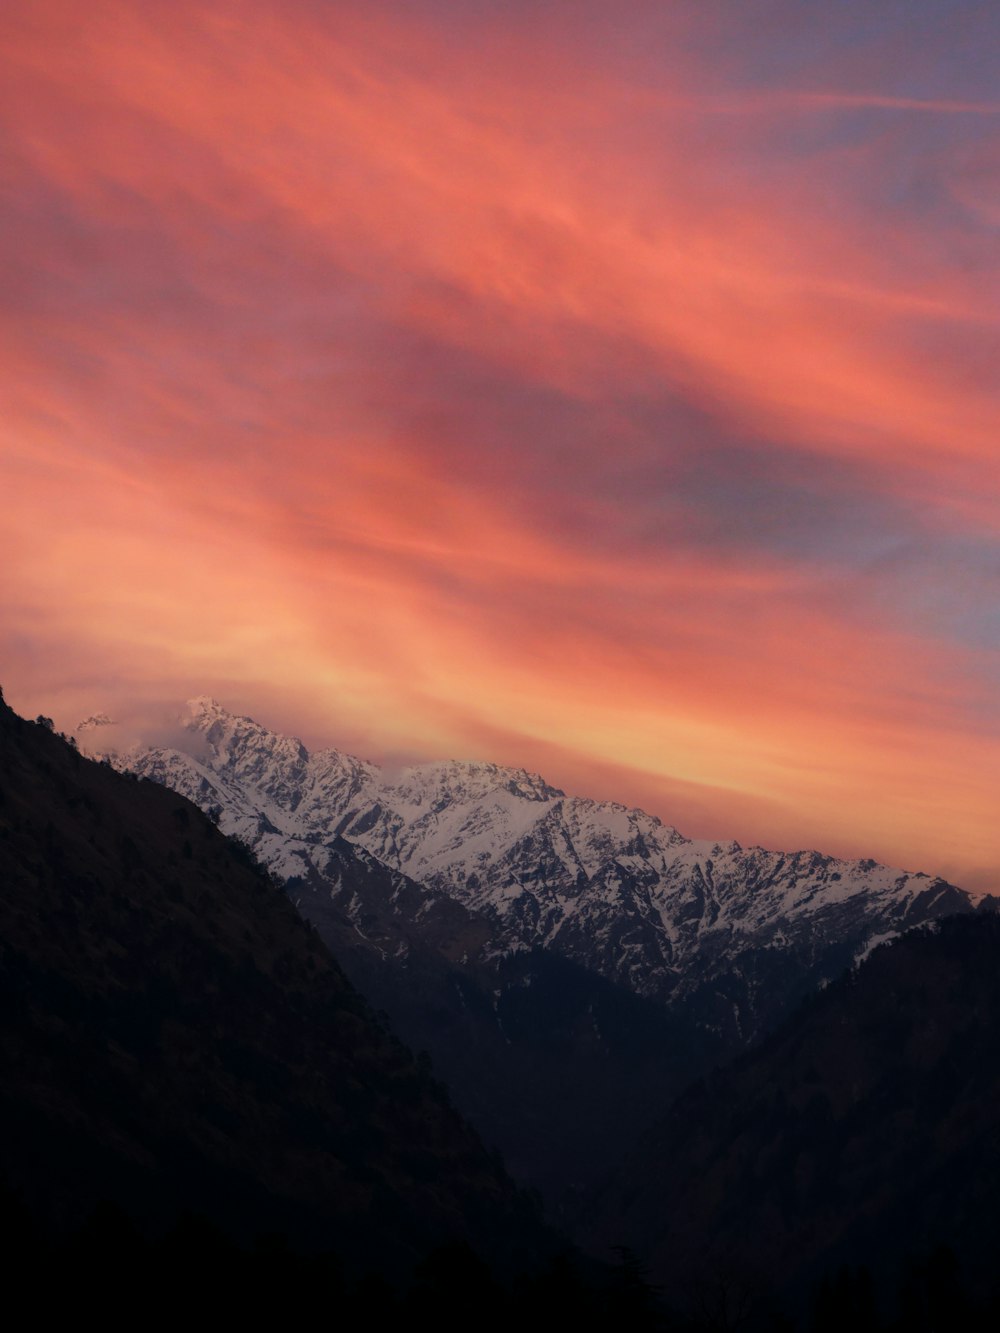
column 448, row 387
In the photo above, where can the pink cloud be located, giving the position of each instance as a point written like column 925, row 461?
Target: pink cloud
column 235, row 225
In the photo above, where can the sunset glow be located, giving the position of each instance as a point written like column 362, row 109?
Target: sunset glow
column 612, row 395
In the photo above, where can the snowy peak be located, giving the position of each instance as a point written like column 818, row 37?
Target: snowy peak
column 612, row 888
column 233, row 738
column 204, row 705
column 460, row 783
column 278, row 771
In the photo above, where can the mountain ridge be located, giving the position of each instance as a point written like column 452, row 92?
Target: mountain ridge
column 606, row 885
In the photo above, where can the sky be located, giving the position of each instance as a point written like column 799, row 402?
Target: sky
column 606, row 390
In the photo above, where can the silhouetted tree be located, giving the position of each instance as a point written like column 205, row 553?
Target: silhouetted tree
column 847, row 1300
column 632, row 1298
column 931, row 1298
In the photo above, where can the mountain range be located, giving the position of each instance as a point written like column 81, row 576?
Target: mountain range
column 568, row 963
column 612, row 888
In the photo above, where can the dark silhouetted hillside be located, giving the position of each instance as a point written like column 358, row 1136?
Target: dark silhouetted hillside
column 174, row 1036
column 865, row 1130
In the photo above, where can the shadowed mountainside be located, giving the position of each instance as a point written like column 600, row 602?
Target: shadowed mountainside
column 865, row 1129
column 175, row 1036
column 556, row 1066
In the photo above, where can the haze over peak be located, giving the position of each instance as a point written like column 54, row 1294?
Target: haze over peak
column 204, row 704
column 95, row 721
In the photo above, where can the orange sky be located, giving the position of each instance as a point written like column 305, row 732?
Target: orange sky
column 616, row 396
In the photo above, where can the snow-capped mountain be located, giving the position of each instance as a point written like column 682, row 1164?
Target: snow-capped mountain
column 739, row 932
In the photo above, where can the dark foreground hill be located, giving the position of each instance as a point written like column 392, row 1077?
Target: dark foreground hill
column 864, row 1132
column 174, row 1037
